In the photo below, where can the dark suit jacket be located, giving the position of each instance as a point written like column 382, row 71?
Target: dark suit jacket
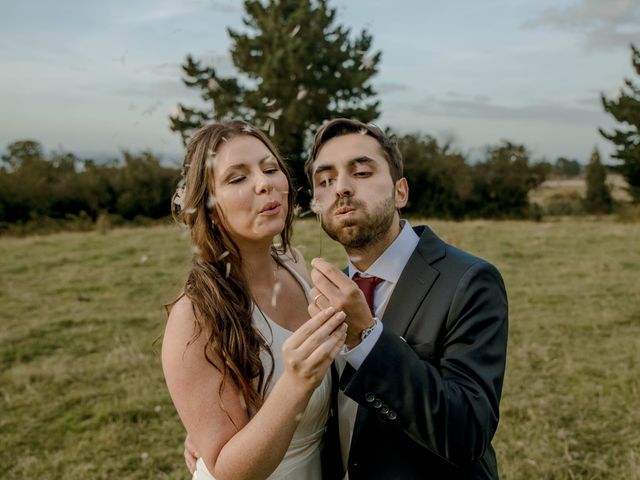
column 428, row 392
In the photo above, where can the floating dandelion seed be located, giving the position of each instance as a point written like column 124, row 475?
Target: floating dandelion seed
column 224, row 139
column 144, row 455
column 305, row 213
column 308, row 67
column 355, row 258
column 315, row 207
column 185, row 231
column 301, row 94
column 269, row 126
column 362, row 131
column 144, row 259
column 157, row 408
column 211, row 201
column 366, row 63
column 243, row 403
column 268, row 103
column 247, row 129
column 196, row 250
column 276, row 290
column 295, row 31
column 213, row 85
column 275, row 115
column 298, row 417
column 228, row 270
column 223, row 255
column 190, row 211
column 297, row 210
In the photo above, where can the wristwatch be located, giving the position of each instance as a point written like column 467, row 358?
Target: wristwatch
column 367, row 331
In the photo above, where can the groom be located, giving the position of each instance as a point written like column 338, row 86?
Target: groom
column 421, row 376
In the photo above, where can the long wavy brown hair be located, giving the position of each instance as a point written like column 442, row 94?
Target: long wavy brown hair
column 218, row 290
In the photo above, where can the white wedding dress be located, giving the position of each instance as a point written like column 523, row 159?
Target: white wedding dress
column 302, row 459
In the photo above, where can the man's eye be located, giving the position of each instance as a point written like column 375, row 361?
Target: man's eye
column 362, row 174
column 326, row 182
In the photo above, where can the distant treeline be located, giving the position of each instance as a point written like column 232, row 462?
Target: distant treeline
column 60, row 186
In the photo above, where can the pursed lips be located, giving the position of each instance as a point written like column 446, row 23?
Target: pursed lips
column 343, row 211
column 271, row 207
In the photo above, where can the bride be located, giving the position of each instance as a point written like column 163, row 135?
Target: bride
column 246, row 368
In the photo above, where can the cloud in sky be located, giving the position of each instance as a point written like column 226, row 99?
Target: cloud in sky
column 605, row 24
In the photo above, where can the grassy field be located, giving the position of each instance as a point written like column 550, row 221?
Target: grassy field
column 82, row 394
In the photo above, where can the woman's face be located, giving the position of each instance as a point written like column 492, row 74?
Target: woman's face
column 250, row 188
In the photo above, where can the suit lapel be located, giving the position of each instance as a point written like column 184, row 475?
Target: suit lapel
column 414, row 283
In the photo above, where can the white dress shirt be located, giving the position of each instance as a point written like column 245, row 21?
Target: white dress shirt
column 388, row 267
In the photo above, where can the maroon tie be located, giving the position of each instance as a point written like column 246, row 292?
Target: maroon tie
column 368, row 287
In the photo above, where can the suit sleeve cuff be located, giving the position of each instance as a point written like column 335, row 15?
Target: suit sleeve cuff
column 356, row 355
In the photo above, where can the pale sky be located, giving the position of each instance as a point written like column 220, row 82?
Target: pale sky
column 95, row 77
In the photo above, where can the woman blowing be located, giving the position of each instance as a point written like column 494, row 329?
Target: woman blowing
column 246, row 368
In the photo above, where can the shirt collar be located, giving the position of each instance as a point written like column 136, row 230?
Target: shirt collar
column 391, row 263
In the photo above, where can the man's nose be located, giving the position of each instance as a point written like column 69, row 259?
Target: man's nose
column 344, row 187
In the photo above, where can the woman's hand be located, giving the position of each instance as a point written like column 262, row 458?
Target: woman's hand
column 308, row 353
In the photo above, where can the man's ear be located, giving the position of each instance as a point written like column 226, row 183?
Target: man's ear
column 402, row 193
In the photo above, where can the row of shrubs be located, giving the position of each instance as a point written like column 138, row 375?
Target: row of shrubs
column 40, row 192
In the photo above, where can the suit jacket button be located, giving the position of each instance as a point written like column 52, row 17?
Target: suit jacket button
column 369, row 397
column 385, row 409
column 392, row 415
column 377, row 403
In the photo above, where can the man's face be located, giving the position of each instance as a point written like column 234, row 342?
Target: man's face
column 354, row 193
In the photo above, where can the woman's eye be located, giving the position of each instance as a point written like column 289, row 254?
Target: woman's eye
column 236, row 179
column 271, row 170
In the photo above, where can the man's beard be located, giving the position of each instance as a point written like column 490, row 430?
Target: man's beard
column 368, row 230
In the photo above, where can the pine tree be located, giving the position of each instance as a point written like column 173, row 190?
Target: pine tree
column 626, row 109
column 598, row 198
column 298, row 69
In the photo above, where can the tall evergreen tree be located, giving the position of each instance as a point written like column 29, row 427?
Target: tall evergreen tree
column 626, row 109
column 297, row 68
column 598, row 198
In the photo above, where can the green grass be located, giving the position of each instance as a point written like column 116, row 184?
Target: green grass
column 81, row 388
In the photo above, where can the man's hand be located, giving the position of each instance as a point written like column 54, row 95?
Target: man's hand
column 342, row 293
column 190, row 454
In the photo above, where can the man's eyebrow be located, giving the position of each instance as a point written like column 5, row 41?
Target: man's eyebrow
column 322, row 168
column 361, row 160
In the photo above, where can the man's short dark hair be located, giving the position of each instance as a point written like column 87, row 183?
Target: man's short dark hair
column 343, row 126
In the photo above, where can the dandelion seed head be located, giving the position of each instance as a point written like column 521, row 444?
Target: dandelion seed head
column 315, row 207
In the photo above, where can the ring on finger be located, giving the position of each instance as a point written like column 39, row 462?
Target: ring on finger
column 315, row 300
